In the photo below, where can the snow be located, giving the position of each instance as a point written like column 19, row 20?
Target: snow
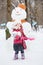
column 33, row 53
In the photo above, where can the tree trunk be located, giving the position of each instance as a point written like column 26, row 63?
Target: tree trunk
column 8, row 10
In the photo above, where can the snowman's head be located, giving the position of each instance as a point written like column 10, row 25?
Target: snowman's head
column 19, row 12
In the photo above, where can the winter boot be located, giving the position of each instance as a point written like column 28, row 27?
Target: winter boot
column 16, row 57
column 22, row 56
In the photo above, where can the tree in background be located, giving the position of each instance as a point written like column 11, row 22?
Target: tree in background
column 8, row 10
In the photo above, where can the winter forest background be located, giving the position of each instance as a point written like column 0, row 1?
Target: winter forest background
column 34, row 9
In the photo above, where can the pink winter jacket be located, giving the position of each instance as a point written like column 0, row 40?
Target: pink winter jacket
column 18, row 39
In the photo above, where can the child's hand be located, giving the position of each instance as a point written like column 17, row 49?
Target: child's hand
column 31, row 39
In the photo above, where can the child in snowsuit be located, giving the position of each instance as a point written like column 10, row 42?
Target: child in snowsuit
column 18, row 42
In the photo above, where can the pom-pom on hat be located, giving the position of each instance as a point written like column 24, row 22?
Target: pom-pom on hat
column 22, row 6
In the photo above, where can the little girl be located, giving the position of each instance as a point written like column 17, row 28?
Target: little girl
column 18, row 41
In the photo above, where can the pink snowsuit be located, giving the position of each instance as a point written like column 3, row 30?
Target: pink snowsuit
column 19, row 39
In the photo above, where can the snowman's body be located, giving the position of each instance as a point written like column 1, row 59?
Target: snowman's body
column 19, row 14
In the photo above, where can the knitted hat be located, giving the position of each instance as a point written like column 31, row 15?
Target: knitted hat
column 22, row 6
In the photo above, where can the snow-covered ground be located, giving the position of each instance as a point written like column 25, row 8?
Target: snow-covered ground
column 33, row 53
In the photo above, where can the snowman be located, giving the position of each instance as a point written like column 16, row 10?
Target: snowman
column 19, row 15
column 19, row 28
